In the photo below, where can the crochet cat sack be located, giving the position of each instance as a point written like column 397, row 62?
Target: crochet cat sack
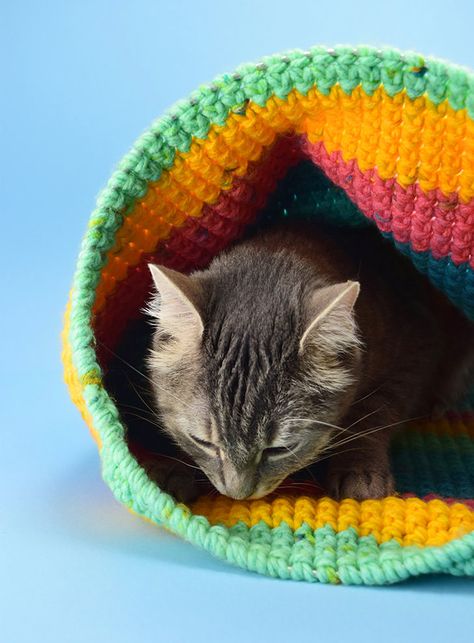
column 356, row 135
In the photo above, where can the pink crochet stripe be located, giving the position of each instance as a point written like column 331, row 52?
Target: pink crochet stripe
column 426, row 220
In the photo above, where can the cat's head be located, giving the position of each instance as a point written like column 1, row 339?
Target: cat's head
column 248, row 382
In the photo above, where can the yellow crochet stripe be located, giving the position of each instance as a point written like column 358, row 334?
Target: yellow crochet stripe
column 411, row 140
column 74, row 384
column 410, row 521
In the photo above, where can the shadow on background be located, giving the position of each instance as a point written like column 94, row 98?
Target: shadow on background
column 82, row 505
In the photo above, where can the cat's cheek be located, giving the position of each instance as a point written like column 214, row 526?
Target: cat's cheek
column 208, row 470
column 212, row 475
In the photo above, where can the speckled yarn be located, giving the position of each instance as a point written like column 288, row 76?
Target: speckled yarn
column 360, row 135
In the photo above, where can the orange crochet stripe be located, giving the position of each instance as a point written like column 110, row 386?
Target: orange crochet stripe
column 410, row 521
column 411, row 140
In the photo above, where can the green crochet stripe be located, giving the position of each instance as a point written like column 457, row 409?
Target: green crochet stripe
column 306, row 193
column 331, row 557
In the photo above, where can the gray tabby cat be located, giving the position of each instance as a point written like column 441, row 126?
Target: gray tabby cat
column 294, row 344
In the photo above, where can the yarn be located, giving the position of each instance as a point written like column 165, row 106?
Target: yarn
column 356, row 135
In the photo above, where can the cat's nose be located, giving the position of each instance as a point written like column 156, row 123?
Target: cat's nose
column 238, row 484
column 239, row 491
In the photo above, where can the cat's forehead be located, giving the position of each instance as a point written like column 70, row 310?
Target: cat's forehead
column 242, row 437
column 244, row 401
column 247, row 359
column 252, row 336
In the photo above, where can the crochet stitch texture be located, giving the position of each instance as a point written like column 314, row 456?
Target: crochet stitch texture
column 392, row 138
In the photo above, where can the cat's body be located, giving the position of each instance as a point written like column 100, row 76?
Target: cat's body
column 259, row 358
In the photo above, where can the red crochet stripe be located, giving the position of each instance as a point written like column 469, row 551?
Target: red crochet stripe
column 427, row 220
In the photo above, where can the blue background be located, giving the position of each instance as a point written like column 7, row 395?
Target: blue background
column 81, row 80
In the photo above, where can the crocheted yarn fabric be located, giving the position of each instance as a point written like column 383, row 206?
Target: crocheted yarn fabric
column 356, row 135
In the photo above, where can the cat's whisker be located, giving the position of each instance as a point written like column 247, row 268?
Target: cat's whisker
column 187, row 464
column 331, row 454
column 140, row 396
column 135, row 408
column 290, row 451
column 364, row 417
column 124, row 361
column 336, row 427
column 303, row 467
column 364, row 434
column 328, row 447
column 297, row 482
column 361, row 399
column 153, row 383
column 142, row 417
column 314, row 420
column 145, row 391
column 297, row 485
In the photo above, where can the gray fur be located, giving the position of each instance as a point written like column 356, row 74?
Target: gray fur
column 247, row 378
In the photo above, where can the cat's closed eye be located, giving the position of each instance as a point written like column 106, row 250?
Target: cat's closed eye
column 274, row 452
column 203, row 443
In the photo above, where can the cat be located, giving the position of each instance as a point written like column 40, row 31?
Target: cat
column 298, row 344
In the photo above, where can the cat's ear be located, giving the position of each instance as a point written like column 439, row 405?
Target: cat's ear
column 330, row 311
column 177, row 307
